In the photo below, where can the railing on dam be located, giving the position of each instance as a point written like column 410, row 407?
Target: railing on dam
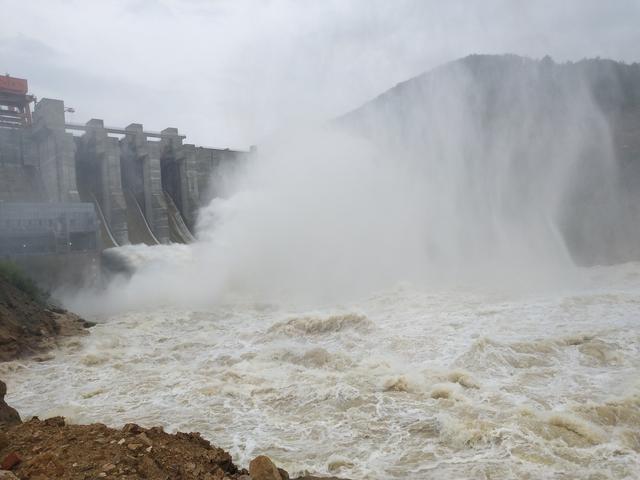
column 121, row 131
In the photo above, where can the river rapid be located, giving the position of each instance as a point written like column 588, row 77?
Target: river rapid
column 406, row 383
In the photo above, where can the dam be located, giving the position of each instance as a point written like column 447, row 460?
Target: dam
column 70, row 189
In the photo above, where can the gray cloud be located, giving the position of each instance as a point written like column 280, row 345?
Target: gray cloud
column 234, row 72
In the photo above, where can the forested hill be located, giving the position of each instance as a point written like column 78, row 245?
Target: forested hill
column 614, row 86
column 512, row 117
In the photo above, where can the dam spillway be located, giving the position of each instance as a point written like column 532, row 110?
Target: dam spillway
column 143, row 187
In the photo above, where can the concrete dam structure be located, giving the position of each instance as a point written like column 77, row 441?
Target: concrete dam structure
column 131, row 186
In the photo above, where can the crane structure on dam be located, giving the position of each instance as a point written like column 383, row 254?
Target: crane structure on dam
column 15, row 102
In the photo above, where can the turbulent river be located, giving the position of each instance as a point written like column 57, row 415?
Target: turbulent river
column 406, row 383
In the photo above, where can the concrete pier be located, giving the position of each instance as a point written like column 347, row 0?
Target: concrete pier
column 55, row 151
column 99, row 177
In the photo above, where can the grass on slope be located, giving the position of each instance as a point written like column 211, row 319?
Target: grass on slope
column 13, row 274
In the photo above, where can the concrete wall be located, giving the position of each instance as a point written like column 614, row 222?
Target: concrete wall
column 212, row 168
column 13, row 146
column 47, row 228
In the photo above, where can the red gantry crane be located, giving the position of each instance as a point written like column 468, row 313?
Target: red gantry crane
column 15, row 111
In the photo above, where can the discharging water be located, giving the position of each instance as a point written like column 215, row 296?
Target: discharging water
column 406, row 383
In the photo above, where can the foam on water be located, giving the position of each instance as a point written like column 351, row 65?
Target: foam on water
column 407, row 383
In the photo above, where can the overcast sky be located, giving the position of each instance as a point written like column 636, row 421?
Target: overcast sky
column 231, row 73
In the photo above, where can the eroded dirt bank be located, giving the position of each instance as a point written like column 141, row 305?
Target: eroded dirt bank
column 28, row 327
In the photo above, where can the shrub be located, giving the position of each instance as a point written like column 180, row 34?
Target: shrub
column 13, row 274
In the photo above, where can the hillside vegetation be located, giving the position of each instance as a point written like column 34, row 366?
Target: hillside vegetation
column 521, row 139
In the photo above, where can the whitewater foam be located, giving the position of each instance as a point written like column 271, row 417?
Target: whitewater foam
column 405, row 383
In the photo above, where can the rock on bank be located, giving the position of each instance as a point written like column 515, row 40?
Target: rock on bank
column 48, row 449
column 52, row 449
